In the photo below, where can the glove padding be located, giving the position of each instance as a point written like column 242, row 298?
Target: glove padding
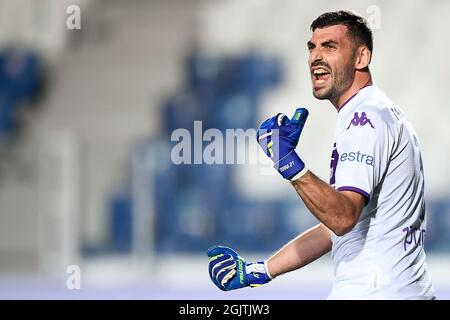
column 278, row 137
column 228, row 271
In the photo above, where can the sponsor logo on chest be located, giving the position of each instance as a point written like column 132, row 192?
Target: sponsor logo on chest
column 357, row 156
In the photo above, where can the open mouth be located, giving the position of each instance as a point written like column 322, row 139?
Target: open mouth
column 320, row 75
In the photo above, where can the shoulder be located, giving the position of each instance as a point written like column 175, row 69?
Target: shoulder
column 369, row 121
column 381, row 108
column 377, row 111
column 367, row 115
column 374, row 115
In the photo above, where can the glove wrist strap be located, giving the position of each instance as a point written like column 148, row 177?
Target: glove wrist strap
column 257, row 274
column 289, row 165
column 299, row 175
column 267, row 270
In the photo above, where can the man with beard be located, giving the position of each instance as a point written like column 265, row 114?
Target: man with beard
column 372, row 213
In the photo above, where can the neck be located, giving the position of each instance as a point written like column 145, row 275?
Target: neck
column 362, row 79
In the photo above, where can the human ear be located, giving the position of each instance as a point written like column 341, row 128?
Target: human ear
column 363, row 58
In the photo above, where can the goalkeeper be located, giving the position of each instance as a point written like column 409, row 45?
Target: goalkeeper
column 372, row 213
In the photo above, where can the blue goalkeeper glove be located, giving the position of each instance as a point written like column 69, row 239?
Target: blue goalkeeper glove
column 278, row 137
column 228, row 271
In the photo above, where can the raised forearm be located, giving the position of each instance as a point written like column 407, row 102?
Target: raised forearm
column 307, row 247
column 339, row 211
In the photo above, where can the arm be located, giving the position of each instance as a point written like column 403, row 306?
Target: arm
column 338, row 210
column 229, row 271
column 307, row 247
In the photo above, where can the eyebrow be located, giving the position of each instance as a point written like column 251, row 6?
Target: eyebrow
column 310, row 44
column 328, row 42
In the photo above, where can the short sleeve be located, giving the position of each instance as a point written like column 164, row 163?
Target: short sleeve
column 361, row 152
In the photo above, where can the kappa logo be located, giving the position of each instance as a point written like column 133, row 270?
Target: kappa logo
column 360, row 120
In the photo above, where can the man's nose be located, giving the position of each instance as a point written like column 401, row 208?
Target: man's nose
column 315, row 56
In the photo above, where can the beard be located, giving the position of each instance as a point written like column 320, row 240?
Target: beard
column 342, row 79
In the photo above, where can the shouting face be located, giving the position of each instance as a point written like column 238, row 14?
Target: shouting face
column 331, row 61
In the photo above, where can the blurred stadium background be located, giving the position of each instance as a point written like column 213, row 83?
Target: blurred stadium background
column 86, row 117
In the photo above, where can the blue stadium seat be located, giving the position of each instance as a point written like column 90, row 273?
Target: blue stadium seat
column 260, row 72
column 186, row 223
column 235, row 111
column 8, row 104
column 19, row 82
column 121, row 221
column 437, row 237
column 202, row 71
column 19, row 73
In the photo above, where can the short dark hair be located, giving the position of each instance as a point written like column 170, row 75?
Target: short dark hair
column 357, row 26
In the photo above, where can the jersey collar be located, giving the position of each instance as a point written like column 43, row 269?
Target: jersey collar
column 356, row 98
